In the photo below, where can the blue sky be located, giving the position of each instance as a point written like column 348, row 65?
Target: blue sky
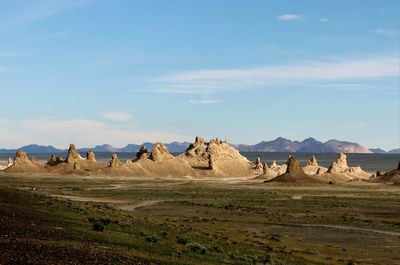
column 125, row 71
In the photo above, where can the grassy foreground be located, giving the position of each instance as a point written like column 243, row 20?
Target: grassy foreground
column 69, row 220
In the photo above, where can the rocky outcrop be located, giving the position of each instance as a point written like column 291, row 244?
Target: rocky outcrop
column 160, row 153
column 21, row 159
column 273, row 164
column 54, row 160
column 294, row 173
column 73, row 155
column 114, row 161
column 265, row 167
column 342, row 161
column 294, row 166
column 312, row 162
column 218, row 156
column 334, row 168
column 390, row 177
column 143, row 152
column 90, row 156
column 341, row 171
column 258, row 168
column 10, row 162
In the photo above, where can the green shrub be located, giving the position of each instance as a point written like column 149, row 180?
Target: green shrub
column 151, row 238
column 182, row 240
column 98, row 227
column 197, row 248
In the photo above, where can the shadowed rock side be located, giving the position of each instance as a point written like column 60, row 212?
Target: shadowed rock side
column 294, row 174
column 143, row 152
column 90, row 156
column 390, row 177
column 217, row 156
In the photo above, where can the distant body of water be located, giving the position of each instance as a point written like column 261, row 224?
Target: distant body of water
column 369, row 162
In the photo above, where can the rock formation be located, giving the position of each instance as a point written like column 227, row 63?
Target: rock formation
column 21, row 159
column 114, row 161
column 160, row 153
column 11, row 162
column 217, row 155
column 342, row 161
column 265, row 167
column 390, row 177
column 294, row 173
column 73, row 155
column 294, row 166
column 54, row 160
column 143, row 152
column 258, row 169
column 334, row 168
column 312, row 162
column 76, row 166
column 340, row 170
column 273, row 164
column 90, row 156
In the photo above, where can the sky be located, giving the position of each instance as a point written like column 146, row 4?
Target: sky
column 124, row 71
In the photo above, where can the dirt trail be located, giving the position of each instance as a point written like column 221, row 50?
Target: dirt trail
column 133, row 207
column 342, row 227
column 87, row 199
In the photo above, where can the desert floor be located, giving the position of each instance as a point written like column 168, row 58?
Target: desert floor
column 58, row 220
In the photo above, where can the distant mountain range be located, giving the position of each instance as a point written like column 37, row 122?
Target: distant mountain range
column 309, row 145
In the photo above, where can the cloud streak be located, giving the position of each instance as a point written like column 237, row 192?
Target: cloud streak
column 117, row 116
column 42, row 9
column 387, row 32
column 204, row 101
column 288, row 17
column 275, row 75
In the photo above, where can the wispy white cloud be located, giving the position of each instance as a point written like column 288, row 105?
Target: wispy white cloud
column 288, row 17
column 323, row 19
column 117, row 116
column 204, row 101
column 386, row 32
column 275, row 75
column 83, row 132
column 42, row 9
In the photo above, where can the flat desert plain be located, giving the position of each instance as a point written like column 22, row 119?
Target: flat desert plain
column 72, row 219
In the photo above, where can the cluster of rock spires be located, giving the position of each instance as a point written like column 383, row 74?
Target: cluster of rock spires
column 215, row 158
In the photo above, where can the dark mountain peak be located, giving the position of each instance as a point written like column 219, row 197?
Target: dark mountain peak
column 310, row 140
